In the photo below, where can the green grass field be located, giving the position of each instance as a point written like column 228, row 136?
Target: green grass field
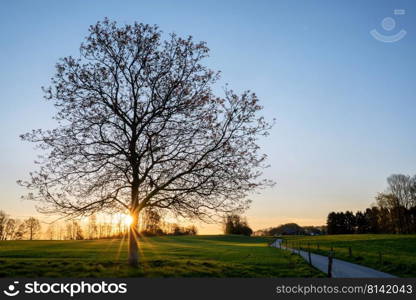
column 173, row 256
column 398, row 251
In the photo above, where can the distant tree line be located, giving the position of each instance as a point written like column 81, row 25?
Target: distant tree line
column 291, row 229
column 14, row 229
column 106, row 227
column 393, row 212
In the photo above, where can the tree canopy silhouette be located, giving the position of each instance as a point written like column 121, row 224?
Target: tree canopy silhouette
column 139, row 126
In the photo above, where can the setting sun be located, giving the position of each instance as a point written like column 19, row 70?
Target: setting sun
column 128, row 220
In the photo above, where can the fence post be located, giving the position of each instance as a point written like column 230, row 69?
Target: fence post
column 330, row 264
column 318, row 246
column 309, row 254
column 380, row 257
column 349, row 251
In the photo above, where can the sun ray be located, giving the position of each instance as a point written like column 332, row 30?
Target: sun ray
column 120, row 247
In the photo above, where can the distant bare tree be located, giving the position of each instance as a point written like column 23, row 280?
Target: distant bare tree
column 52, row 231
column 235, row 224
column 399, row 199
column 73, row 230
column 21, row 232
column 3, row 222
column 402, row 187
column 139, row 126
column 151, row 221
column 92, row 227
column 10, row 229
column 32, row 226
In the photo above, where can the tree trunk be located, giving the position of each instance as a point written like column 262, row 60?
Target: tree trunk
column 133, row 241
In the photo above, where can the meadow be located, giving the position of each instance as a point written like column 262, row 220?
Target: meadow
column 391, row 253
column 166, row 256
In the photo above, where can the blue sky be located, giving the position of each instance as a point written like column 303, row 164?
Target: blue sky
column 344, row 101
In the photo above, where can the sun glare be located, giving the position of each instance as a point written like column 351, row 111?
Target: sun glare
column 128, row 220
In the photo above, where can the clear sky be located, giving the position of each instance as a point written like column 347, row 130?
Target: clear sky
column 344, row 102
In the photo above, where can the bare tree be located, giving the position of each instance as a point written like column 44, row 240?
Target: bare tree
column 92, row 227
column 403, row 188
column 73, row 230
column 10, row 229
column 3, row 222
column 21, row 232
column 139, row 126
column 399, row 199
column 151, row 221
column 51, row 231
column 235, row 224
column 69, row 232
column 32, row 226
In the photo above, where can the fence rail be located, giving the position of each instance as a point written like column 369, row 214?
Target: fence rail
column 306, row 251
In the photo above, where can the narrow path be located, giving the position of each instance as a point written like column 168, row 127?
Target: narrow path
column 340, row 268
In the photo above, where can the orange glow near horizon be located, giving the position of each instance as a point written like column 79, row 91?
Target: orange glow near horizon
column 128, row 220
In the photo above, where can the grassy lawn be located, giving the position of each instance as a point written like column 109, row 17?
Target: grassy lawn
column 173, row 256
column 398, row 251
